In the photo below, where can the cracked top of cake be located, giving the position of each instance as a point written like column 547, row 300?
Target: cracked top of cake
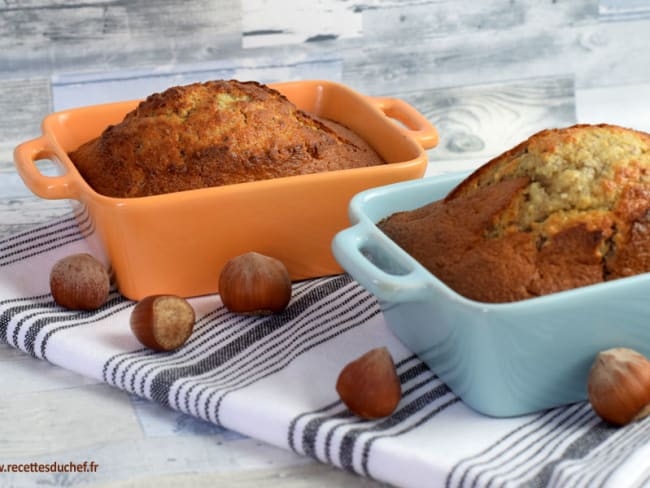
column 212, row 134
column 565, row 208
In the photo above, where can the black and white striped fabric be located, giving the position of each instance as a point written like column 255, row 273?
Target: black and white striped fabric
column 273, row 378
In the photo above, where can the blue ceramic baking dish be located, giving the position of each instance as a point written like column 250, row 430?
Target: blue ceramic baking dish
column 501, row 359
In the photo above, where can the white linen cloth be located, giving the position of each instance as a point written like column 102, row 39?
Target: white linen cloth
column 273, row 378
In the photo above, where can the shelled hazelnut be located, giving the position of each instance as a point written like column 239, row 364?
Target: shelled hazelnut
column 162, row 322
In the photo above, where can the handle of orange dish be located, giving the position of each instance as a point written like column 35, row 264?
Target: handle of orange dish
column 49, row 187
column 416, row 124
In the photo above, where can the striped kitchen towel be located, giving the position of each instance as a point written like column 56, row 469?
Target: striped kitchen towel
column 273, row 378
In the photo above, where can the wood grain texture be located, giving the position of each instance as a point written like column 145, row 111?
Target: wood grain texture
column 438, row 19
column 266, row 23
column 23, row 104
column 40, row 37
column 134, row 457
column 77, row 89
column 480, row 121
column 22, row 374
column 613, row 10
column 71, row 418
column 20, row 214
column 431, row 43
column 289, row 477
column 487, row 75
column 8, row 353
column 622, row 105
column 591, row 53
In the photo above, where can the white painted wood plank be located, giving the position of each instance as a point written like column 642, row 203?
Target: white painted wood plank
column 613, row 10
column 150, row 460
column 624, row 105
column 23, row 103
column 78, row 89
column 436, row 19
column 447, row 166
column 313, row 474
column 8, row 353
column 479, row 122
column 21, row 211
column 38, row 37
column 493, row 53
column 595, row 54
column 25, row 374
column 73, row 418
column 267, row 23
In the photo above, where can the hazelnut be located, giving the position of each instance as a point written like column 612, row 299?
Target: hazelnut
column 79, row 282
column 255, row 284
column 162, row 322
column 619, row 385
column 369, row 386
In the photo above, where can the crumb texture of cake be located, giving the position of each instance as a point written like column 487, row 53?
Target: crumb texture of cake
column 566, row 208
column 211, row 134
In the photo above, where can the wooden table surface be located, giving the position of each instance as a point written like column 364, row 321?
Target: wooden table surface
column 487, row 79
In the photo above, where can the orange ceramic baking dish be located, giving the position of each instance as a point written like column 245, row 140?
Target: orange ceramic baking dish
column 177, row 243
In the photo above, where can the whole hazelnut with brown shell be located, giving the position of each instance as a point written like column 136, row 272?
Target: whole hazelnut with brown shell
column 369, row 385
column 619, row 385
column 255, row 284
column 79, row 282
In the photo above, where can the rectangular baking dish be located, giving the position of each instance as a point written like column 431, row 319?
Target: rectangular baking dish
column 177, row 243
column 501, row 359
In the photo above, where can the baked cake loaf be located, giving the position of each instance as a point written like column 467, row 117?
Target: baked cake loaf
column 211, row 134
column 566, row 208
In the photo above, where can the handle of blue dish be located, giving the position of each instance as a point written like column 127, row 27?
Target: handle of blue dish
column 348, row 248
column 416, row 124
column 49, row 187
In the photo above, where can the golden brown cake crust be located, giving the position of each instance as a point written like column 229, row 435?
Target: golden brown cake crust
column 211, row 134
column 565, row 208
